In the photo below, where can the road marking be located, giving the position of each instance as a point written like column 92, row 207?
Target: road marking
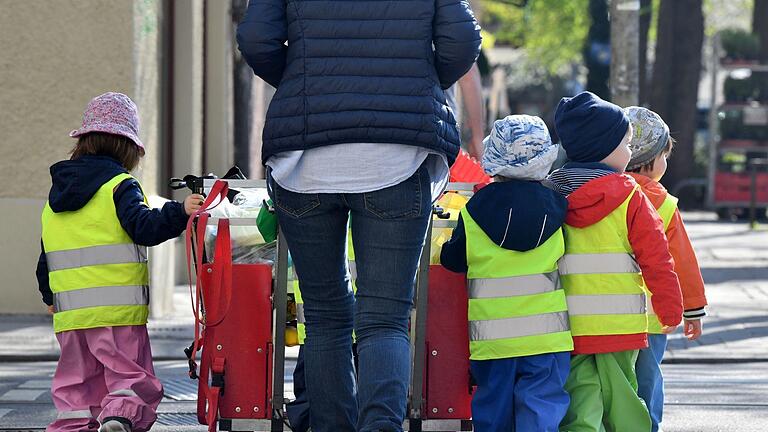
column 4, row 411
column 36, row 384
column 22, row 395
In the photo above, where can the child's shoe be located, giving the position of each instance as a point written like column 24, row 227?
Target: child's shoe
column 115, row 424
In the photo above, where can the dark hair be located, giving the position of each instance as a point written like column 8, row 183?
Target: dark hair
column 649, row 166
column 118, row 147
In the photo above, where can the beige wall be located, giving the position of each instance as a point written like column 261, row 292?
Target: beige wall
column 54, row 57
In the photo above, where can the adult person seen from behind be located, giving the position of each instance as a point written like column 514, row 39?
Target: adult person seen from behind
column 359, row 133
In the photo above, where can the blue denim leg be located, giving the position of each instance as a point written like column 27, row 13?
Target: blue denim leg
column 540, row 397
column 298, row 410
column 493, row 404
column 650, row 381
column 388, row 231
column 315, row 228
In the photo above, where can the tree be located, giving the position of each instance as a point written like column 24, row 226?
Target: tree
column 551, row 31
column 646, row 13
column 760, row 28
column 597, row 49
column 675, row 83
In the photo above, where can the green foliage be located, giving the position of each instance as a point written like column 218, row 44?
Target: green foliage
column 551, row 31
column 740, row 44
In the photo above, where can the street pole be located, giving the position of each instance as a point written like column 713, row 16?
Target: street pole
column 625, row 52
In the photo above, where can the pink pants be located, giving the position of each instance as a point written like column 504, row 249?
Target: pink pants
column 105, row 372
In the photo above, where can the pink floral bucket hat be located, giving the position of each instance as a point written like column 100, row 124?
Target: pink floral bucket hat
column 113, row 113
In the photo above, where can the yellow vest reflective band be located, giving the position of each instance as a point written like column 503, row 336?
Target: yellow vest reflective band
column 667, row 212
column 98, row 276
column 516, row 306
column 602, row 281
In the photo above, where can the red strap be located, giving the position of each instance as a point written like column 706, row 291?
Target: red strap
column 213, row 395
column 219, row 191
column 208, row 400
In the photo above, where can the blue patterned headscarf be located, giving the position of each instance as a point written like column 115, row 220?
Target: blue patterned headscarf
column 519, row 147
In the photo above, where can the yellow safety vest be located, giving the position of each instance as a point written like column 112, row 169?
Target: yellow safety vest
column 98, row 276
column 516, row 306
column 666, row 211
column 602, row 280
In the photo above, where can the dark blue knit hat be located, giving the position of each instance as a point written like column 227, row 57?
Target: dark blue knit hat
column 589, row 128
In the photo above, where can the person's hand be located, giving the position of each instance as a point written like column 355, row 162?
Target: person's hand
column 192, row 203
column 475, row 146
column 668, row 329
column 51, row 310
column 693, row 329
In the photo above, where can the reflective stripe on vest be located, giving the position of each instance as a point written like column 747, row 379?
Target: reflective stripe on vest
column 96, row 255
column 513, row 286
column 667, row 212
column 516, row 327
column 606, row 304
column 300, row 314
column 602, row 281
column 101, row 296
column 598, row 264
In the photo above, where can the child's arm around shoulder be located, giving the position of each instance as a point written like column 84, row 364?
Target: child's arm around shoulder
column 454, row 253
column 150, row 227
column 649, row 243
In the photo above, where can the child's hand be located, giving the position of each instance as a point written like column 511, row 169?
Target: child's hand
column 51, row 310
column 668, row 329
column 693, row 329
column 192, row 203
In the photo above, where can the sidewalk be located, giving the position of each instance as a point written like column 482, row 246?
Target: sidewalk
column 734, row 263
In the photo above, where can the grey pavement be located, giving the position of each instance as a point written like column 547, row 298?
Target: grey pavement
column 719, row 383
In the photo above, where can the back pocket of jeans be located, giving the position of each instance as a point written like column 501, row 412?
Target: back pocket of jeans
column 401, row 201
column 293, row 203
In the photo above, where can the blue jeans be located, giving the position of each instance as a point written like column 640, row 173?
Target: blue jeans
column 520, row 394
column 388, row 230
column 650, row 381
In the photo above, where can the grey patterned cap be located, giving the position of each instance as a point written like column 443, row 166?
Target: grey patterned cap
column 519, row 147
column 650, row 136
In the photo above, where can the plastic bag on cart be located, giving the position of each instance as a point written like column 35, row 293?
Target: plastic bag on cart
column 248, row 243
column 452, row 203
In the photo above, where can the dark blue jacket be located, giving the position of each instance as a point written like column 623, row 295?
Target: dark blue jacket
column 74, row 184
column 357, row 71
column 516, row 215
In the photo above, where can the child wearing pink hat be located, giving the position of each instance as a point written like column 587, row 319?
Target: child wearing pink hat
column 93, row 273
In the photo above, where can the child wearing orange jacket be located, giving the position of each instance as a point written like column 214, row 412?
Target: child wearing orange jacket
column 651, row 145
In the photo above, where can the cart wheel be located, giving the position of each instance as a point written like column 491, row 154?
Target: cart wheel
column 724, row 214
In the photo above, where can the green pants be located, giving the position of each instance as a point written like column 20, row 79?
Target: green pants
column 603, row 390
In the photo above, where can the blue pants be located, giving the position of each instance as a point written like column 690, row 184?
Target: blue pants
column 650, row 381
column 388, row 230
column 298, row 410
column 520, row 394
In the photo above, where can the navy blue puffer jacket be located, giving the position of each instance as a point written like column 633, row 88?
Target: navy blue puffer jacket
column 359, row 71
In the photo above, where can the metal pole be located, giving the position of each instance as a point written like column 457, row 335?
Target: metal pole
column 420, row 337
column 752, row 194
column 279, row 302
column 625, row 52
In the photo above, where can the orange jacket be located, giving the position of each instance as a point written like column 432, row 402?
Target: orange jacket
column 686, row 264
